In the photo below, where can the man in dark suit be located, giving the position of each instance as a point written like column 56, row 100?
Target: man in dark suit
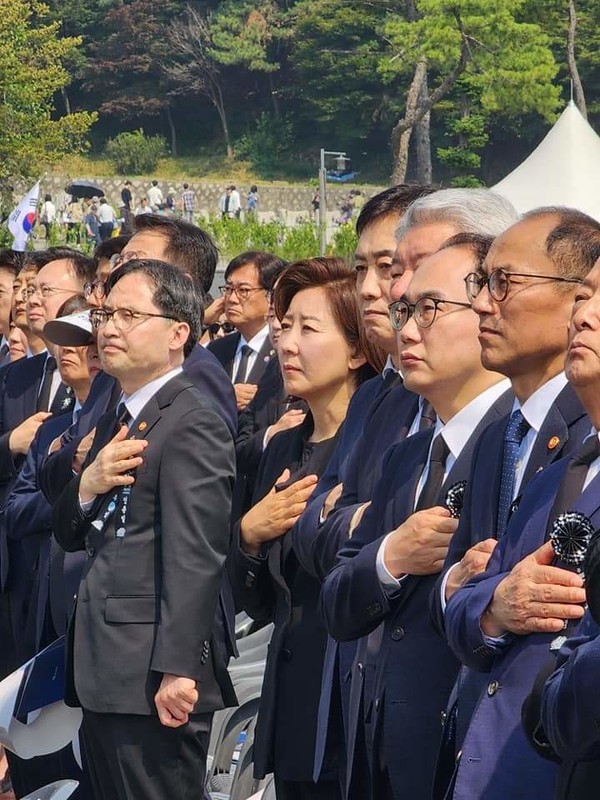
column 10, row 264
column 505, row 622
column 152, row 514
column 528, row 347
column 244, row 355
column 194, row 253
column 387, row 567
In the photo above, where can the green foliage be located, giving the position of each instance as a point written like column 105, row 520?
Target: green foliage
column 32, row 71
column 344, row 241
column 245, row 32
column 134, row 153
column 268, row 144
column 300, row 242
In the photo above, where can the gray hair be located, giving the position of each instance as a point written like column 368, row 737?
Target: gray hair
column 478, row 211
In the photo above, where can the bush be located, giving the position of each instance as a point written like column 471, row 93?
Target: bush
column 268, row 144
column 344, row 241
column 134, row 153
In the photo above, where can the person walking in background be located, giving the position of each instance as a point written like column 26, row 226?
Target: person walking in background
column 106, row 218
column 155, row 197
column 143, row 208
column 48, row 214
column 126, row 196
column 188, row 203
column 252, row 201
column 235, row 203
column 92, row 224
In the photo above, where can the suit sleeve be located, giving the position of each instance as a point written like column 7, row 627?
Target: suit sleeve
column 195, row 490
column 56, row 469
column 26, row 508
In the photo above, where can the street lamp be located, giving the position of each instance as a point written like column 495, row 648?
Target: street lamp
column 341, row 160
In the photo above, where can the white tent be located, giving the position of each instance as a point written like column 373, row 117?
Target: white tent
column 563, row 170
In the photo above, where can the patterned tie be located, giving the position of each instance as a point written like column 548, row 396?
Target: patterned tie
column 516, row 430
column 435, row 477
column 241, row 374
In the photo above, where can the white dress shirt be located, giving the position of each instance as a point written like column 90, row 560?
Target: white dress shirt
column 255, row 343
column 456, row 432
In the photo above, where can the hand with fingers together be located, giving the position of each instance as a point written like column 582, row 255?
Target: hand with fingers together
column 535, row 597
column 276, row 513
column 419, row 546
column 175, row 700
column 112, row 466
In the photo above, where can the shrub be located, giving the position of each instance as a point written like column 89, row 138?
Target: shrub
column 268, row 144
column 344, row 241
column 134, row 153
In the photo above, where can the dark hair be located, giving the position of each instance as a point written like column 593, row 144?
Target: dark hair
column 154, row 183
column 573, row 244
column 478, row 244
column 185, row 185
column 83, row 266
column 254, row 188
column 175, row 294
column 73, row 305
column 47, row 197
column 190, row 249
column 268, row 266
column 11, row 260
column 333, row 275
column 393, row 201
column 110, row 247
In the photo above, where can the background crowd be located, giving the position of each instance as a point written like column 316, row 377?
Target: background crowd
column 395, row 463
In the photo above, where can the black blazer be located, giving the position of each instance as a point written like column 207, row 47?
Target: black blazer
column 276, row 588
column 224, row 349
column 150, row 585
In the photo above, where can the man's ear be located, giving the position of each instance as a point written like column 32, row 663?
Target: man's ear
column 180, row 333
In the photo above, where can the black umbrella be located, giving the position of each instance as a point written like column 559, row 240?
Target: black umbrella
column 81, row 188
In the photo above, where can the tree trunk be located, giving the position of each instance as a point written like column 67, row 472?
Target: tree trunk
column 572, row 61
column 219, row 104
column 274, row 97
column 172, row 131
column 402, row 131
column 423, row 140
column 66, row 101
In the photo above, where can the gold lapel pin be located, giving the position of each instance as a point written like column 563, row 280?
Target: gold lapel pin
column 143, row 425
column 553, row 442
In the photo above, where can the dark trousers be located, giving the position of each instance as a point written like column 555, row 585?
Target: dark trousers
column 134, row 757
column 307, row 790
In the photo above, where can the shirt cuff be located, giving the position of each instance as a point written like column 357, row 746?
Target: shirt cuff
column 443, row 600
column 87, row 506
column 386, row 579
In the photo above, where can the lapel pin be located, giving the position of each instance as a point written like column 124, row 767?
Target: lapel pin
column 553, row 442
column 142, row 426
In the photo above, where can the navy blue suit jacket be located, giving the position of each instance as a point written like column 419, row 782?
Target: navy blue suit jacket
column 201, row 367
column 566, row 425
column 27, row 523
column 497, row 760
column 415, row 670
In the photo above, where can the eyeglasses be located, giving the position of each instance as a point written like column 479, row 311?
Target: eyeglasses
column 498, row 282
column 242, row 292
column 424, row 311
column 96, row 288
column 118, row 259
column 122, row 318
column 213, row 330
column 43, row 291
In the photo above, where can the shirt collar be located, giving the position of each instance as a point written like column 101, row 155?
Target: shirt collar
column 535, row 408
column 136, row 401
column 257, row 341
column 388, row 367
column 458, row 430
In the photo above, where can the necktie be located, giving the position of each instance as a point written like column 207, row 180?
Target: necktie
column 123, row 416
column 435, row 478
column 43, row 401
column 240, row 375
column 515, row 432
column 428, row 416
column 572, row 482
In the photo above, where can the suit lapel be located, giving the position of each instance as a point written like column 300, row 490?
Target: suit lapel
column 414, row 458
column 263, row 357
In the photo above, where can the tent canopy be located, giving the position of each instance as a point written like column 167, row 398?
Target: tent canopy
column 563, row 170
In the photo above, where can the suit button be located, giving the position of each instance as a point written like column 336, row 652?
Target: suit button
column 374, row 609
column 492, row 688
column 397, row 634
column 286, row 654
column 91, row 552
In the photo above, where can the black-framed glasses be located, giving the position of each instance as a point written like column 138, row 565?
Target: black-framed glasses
column 96, row 288
column 122, row 318
column 499, row 280
column 242, row 292
column 424, row 311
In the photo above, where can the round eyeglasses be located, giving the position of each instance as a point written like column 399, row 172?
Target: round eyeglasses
column 499, row 280
column 122, row 318
column 242, row 292
column 96, row 288
column 424, row 311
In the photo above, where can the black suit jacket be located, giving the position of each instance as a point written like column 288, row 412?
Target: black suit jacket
column 276, row 588
column 150, row 586
column 200, row 366
column 224, row 349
